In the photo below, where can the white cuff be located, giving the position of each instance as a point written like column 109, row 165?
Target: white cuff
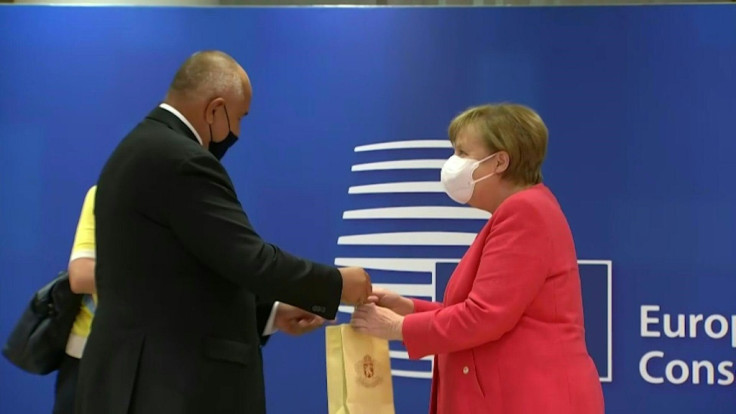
column 82, row 254
column 269, row 329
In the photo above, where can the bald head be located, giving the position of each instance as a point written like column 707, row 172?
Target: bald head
column 213, row 93
column 208, row 74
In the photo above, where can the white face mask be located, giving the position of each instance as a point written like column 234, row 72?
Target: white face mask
column 457, row 177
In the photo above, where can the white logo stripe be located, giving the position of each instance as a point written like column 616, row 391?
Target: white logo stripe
column 401, row 187
column 393, row 264
column 419, row 143
column 418, row 289
column 414, row 238
column 405, row 355
column 400, row 165
column 423, row 212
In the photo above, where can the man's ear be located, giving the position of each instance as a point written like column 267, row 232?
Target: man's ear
column 211, row 108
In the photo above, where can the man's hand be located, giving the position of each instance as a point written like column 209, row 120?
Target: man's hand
column 295, row 321
column 356, row 286
column 388, row 299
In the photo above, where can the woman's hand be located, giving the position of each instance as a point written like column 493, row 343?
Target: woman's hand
column 377, row 321
column 390, row 300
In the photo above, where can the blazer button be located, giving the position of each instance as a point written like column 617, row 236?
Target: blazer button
column 466, row 370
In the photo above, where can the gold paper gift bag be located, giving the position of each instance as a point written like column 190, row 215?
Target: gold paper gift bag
column 358, row 373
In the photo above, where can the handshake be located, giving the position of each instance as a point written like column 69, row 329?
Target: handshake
column 379, row 312
column 356, row 289
column 356, row 286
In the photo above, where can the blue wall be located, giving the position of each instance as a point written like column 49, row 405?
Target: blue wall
column 640, row 102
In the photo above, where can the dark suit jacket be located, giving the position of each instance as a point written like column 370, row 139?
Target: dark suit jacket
column 184, row 283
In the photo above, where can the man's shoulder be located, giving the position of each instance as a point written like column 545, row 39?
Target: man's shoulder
column 152, row 142
column 153, row 133
column 154, row 152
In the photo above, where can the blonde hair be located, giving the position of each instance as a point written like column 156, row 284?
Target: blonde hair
column 513, row 128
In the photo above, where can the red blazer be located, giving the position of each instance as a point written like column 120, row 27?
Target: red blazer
column 509, row 336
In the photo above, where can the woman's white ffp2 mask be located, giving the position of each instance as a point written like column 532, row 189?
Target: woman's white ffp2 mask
column 457, row 177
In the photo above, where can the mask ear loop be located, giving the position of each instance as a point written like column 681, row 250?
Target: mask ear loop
column 228, row 120
column 478, row 163
column 212, row 139
column 228, row 124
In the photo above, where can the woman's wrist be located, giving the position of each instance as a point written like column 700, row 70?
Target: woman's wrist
column 397, row 329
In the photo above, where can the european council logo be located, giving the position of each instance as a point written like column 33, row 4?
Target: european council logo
column 409, row 235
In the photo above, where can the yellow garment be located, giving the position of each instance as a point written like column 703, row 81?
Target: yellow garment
column 84, row 247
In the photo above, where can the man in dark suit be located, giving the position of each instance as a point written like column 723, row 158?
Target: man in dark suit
column 187, row 290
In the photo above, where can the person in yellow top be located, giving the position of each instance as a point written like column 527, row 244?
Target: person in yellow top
column 82, row 280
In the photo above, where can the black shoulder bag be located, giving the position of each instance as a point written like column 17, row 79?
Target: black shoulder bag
column 37, row 343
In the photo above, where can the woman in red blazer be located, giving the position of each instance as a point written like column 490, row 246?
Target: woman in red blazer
column 509, row 336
